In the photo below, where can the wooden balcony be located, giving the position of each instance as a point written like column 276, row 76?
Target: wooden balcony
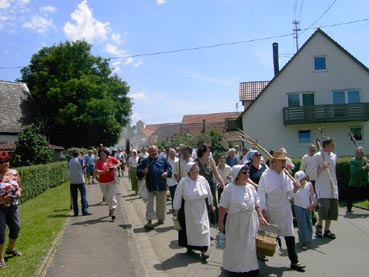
column 326, row 113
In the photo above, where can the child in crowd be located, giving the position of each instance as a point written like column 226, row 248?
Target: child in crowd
column 303, row 206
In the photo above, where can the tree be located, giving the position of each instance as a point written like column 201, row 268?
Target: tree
column 80, row 102
column 31, row 148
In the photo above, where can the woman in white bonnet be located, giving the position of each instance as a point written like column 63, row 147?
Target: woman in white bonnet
column 189, row 204
column 241, row 203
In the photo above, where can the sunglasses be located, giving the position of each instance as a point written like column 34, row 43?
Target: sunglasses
column 245, row 172
column 3, row 162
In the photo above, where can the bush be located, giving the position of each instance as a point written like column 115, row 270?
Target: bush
column 39, row 178
column 31, row 148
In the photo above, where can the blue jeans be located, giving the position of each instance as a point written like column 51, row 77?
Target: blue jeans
column 303, row 218
column 9, row 216
column 74, row 192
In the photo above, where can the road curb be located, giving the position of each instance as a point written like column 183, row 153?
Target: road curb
column 148, row 256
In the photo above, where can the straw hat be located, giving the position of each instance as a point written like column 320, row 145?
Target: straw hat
column 279, row 155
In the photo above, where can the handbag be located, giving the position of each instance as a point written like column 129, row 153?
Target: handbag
column 143, row 192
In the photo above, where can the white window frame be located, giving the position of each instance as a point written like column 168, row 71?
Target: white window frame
column 326, row 64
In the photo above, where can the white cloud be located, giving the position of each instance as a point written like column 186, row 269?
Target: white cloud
column 40, row 24
column 113, row 50
column 47, row 9
column 136, row 117
column 161, row 2
column 85, row 26
column 138, row 95
column 116, row 38
column 138, row 64
column 4, row 4
column 129, row 60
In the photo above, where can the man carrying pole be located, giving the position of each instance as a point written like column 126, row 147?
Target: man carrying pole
column 326, row 187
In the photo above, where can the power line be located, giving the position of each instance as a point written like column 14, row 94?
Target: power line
column 216, row 45
column 331, row 5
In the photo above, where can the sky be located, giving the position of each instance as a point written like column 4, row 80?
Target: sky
column 180, row 57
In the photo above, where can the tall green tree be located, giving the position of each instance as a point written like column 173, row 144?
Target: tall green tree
column 80, row 101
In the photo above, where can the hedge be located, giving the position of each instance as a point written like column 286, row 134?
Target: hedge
column 39, row 178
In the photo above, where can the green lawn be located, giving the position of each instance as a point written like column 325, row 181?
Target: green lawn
column 42, row 219
column 363, row 204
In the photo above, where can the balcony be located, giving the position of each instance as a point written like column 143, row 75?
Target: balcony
column 326, row 113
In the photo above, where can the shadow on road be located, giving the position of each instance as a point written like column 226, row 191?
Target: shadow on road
column 178, row 260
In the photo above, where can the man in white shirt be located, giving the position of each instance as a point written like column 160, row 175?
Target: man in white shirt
column 307, row 162
column 326, row 187
column 180, row 165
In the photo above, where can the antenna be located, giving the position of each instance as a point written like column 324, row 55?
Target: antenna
column 296, row 29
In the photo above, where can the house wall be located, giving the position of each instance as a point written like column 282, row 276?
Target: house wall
column 263, row 120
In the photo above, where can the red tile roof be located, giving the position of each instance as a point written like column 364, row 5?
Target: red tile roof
column 209, row 118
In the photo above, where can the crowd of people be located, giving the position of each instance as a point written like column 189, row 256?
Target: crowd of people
column 240, row 192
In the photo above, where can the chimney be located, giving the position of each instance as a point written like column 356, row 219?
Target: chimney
column 203, row 126
column 275, row 58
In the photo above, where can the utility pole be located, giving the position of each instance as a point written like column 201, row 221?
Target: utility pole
column 237, row 109
column 296, row 29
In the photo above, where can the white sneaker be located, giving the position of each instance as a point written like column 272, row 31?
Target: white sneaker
column 2, row 263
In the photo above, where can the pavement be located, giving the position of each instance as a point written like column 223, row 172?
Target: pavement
column 96, row 246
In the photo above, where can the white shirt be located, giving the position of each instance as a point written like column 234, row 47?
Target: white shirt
column 172, row 180
column 275, row 190
column 302, row 196
column 323, row 183
column 307, row 163
column 180, row 167
column 133, row 161
column 226, row 171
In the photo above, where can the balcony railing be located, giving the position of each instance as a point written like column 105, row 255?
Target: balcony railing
column 326, row 113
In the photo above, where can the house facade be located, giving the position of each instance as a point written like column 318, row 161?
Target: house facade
column 322, row 91
column 16, row 112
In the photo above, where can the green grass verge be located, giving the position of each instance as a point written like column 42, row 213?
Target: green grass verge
column 362, row 204
column 42, row 219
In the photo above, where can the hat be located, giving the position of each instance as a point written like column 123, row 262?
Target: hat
column 235, row 171
column 189, row 166
column 299, row 175
column 250, row 154
column 279, row 155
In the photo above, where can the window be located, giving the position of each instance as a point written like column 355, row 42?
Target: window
column 320, row 63
column 349, row 96
column 353, row 96
column 308, row 99
column 357, row 132
column 339, row 97
column 304, row 136
column 301, row 99
column 293, row 100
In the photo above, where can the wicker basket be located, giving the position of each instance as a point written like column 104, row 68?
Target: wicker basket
column 266, row 240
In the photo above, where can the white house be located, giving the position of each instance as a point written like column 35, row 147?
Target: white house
column 323, row 85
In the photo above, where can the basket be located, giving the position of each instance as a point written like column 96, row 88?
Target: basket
column 266, row 240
